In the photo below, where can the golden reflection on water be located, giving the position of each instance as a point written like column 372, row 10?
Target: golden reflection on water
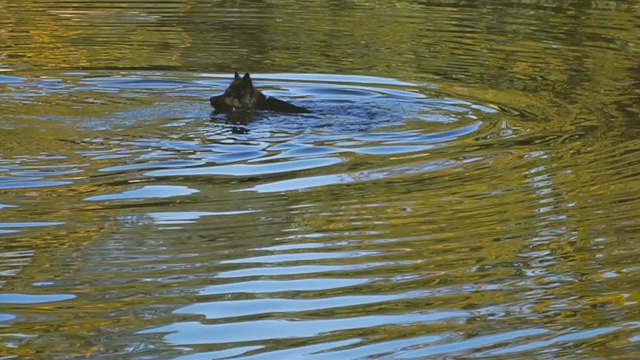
column 394, row 239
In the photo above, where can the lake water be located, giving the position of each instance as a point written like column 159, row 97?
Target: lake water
column 466, row 185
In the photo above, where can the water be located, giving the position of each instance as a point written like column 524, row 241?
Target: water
column 464, row 188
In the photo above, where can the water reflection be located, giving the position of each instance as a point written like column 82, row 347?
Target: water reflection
column 463, row 188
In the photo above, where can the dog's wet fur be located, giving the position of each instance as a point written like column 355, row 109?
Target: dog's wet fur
column 241, row 94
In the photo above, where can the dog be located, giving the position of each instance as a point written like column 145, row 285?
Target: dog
column 241, row 94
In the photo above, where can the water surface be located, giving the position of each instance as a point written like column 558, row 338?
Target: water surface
column 465, row 186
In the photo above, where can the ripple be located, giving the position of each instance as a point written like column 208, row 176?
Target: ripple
column 233, row 157
column 146, row 192
column 249, row 170
column 29, row 224
column 128, row 82
column 190, row 333
column 269, row 286
column 25, row 183
column 249, row 276
column 186, row 217
column 274, row 259
column 325, row 180
column 14, row 298
column 532, row 345
column 224, row 309
column 406, row 348
column 152, row 165
column 8, row 79
column 299, row 270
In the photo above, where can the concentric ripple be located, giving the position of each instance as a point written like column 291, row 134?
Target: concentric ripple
column 366, row 228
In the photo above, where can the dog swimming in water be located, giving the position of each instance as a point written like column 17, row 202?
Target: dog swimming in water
column 241, row 94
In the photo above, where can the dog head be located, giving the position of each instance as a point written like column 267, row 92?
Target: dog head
column 239, row 95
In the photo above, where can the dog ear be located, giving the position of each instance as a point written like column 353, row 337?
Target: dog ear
column 247, row 79
column 236, row 76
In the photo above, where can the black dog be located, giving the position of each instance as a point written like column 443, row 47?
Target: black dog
column 241, row 94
